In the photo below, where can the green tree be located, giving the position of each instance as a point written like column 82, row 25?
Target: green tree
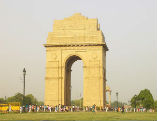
column 78, row 102
column 146, row 99
column 17, row 98
column 155, row 105
column 40, row 103
column 28, row 99
column 134, row 101
column 2, row 100
column 120, row 104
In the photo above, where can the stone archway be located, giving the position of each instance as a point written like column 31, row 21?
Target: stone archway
column 74, row 38
column 67, row 89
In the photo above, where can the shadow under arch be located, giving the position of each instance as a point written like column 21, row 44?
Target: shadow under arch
column 67, row 82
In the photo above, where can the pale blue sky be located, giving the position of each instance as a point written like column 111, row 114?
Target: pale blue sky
column 129, row 26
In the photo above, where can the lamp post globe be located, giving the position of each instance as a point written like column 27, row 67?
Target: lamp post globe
column 24, row 71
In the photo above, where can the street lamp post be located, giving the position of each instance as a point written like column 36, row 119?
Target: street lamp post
column 80, row 100
column 117, row 100
column 135, row 102
column 24, row 74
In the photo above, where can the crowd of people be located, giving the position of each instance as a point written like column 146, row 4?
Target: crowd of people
column 73, row 108
column 124, row 109
column 57, row 108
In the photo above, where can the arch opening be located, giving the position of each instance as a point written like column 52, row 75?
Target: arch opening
column 73, row 79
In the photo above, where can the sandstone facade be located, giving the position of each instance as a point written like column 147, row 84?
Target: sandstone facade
column 75, row 38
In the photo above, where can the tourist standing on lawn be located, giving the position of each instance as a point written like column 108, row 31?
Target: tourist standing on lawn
column 122, row 109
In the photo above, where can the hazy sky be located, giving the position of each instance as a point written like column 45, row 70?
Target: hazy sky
column 129, row 26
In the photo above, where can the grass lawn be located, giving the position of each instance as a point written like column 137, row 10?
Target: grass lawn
column 79, row 116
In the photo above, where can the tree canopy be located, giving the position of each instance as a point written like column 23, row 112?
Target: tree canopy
column 78, row 102
column 134, row 101
column 2, row 100
column 120, row 104
column 18, row 97
column 144, row 99
column 155, row 105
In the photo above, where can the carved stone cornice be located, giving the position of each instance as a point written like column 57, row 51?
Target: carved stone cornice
column 77, row 45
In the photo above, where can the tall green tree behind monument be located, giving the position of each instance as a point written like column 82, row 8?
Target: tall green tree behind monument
column 144, row 99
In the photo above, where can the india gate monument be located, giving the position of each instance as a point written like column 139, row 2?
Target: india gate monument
column 75, row 38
